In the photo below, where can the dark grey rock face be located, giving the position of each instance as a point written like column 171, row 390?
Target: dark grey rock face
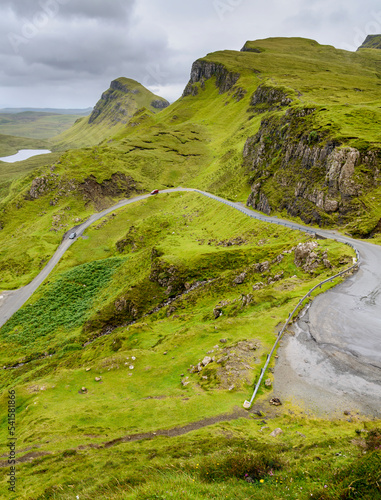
column 160, row 104
column 303, row 171
column 204, row 70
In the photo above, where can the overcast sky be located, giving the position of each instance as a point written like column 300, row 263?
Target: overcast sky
column 64, row 53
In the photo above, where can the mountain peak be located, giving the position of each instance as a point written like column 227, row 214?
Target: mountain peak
column 122, row 100
column 127, row 85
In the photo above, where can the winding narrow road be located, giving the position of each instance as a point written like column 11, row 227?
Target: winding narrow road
column 333, row 361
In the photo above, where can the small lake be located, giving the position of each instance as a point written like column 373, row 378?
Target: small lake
column 24, row 154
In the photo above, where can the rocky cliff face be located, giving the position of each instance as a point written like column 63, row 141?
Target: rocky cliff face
column 267, row 98
column 204, row 70
column 305, row 172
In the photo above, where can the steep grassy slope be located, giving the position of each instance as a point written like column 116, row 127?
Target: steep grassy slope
column 35, row 125
column 106, row 347
column 116, row 106
column 110, row 349
column 287, row 125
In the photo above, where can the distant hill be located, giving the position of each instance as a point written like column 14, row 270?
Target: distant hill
column 9, row 144
column 36, row 124
column 57, row 111
column 118, row 104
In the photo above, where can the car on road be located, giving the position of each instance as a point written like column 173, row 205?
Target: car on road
column 72, row 236
column 155, row 191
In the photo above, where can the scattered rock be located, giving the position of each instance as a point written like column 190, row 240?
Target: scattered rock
column 222, row 360
column 171, row 310
column 278, row 259
column 217, row 312
column 276, row 432
column 308, row 259
column 232, row 367
column 347, row 412
column 300, row 434
column 88, row 369
column 249, row 479
column 246, row 299
column 228, row 243
column 278, row 277
column 206, row 360
column 275, row 401
column 223, row 341
column 258, row 286
column 98, row 379
column 268, row 382
column 240, row 279
column 262, row 267
column 83, row 390
column 185, row 382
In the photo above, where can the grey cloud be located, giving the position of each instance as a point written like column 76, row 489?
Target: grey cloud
column 87, row 43
column 92, row 9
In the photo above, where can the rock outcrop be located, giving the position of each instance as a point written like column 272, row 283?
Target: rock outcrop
column 118, row 185
column 159, row 103
column 204, row 70
column 41, row 186
column 267, row 98
column 309, row 257
column 304, row 171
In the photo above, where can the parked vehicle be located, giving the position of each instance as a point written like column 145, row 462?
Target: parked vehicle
column 155, row 191
column 72, row 236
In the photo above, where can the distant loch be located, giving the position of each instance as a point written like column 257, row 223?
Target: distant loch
column 24, row 154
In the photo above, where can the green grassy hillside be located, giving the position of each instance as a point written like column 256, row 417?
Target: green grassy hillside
column 9, row 145
column 132, row 361
column 288, row 125
column 111, row 113
column 109, row 345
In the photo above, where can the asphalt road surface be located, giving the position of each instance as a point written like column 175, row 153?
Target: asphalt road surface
column 333, row 361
